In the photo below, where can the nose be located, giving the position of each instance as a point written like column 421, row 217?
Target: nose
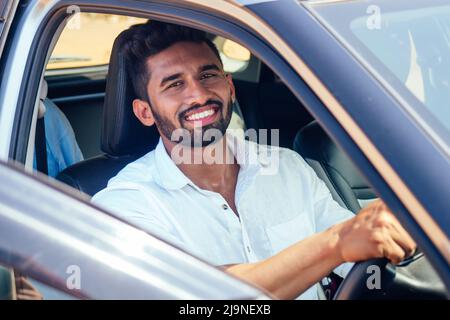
column 196, row 93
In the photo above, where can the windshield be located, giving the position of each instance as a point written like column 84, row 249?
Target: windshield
column 406, row 44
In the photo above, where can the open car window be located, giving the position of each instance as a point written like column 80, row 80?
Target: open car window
column 87, row 40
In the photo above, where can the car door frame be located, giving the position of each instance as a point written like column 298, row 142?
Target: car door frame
column 311, row 88
column 7, row 11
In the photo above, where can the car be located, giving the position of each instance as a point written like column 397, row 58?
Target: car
column 358, row 88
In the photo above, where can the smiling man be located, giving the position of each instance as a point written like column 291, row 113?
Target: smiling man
column 280, row 230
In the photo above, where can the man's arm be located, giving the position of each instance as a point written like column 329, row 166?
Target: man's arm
column 373, row 233
column 290, row 272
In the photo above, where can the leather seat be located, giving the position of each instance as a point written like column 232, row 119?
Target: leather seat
column 333, row 166
column 123, row 137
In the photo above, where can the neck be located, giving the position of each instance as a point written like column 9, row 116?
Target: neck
column 211, row 168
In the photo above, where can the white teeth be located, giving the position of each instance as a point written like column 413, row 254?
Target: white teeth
column 200, row 115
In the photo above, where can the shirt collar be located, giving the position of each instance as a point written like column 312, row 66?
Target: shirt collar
column 247, row 153
column 169, row 176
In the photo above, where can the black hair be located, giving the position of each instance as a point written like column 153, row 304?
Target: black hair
column 141, row 41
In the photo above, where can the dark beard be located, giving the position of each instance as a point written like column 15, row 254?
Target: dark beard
column 166, row 127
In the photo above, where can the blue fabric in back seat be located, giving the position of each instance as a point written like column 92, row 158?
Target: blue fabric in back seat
column 62, row 147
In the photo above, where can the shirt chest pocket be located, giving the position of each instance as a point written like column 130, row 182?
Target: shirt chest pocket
column 289, row 232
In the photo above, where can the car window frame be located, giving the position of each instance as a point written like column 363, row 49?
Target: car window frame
column 7, row 11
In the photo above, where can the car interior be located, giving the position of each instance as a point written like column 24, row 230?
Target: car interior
column 96, row 102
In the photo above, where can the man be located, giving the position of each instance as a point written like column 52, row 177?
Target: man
column 280, row 230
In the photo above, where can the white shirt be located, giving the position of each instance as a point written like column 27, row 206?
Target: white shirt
column 279, row 198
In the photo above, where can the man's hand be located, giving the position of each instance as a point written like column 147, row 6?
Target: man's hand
column 373, row 233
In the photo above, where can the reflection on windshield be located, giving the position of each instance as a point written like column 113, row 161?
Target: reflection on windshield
column 407, row 45
column 415, row 46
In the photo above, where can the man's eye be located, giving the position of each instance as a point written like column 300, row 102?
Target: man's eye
column 208, row 75
column 175, row 84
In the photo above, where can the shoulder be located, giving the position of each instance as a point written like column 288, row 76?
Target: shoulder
column 119, row 198
column 127, row 189
column 140, row 171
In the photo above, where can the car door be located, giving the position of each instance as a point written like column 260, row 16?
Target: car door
column 29, row 247
column 81, row 252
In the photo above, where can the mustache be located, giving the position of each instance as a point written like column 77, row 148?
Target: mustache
column 197, row 106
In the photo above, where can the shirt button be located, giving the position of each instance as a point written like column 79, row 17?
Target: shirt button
column 225, row 206
column 248, row 249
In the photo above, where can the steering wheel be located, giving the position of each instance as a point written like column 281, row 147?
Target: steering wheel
column 413, row 278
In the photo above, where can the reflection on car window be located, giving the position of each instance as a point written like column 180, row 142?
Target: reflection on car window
column 50, row 293
column 415, row 47
column 406, row 44
column 17, row 286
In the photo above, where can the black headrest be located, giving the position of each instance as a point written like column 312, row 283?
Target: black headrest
column 122, row 132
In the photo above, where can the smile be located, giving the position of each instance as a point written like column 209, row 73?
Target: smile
column 205, row 115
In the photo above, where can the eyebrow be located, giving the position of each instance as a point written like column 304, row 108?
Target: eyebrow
column 207, row 67
column 174, row 76
column 170, row 78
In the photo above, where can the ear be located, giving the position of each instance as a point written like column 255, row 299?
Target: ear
column 232, row 89
column 143, row 112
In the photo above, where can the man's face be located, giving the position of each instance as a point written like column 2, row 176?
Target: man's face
column 188, row 90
